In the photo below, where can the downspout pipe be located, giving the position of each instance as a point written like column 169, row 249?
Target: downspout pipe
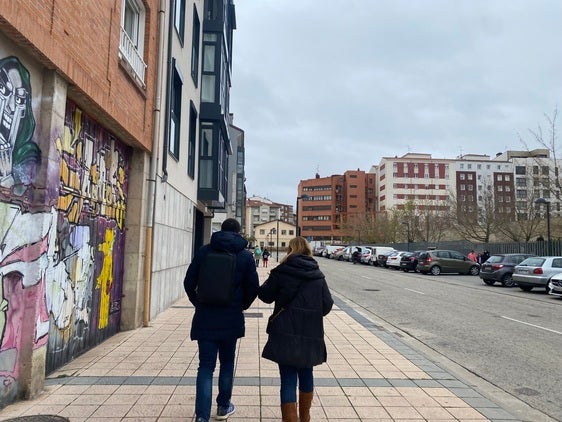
column 151, row 203
column 168, row 97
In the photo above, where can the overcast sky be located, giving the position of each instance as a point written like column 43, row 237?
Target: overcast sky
column 334, row 85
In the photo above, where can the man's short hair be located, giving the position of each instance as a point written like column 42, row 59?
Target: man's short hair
column 230, row 225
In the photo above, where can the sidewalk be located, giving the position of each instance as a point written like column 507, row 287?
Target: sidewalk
column 149, row 375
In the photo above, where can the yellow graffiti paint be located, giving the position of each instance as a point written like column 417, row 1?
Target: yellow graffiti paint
column 105, row 279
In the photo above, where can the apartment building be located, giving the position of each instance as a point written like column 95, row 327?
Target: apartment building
column 262, row 210
column 484, row 185
column 536, row 175
column 274, row 235
column 414, row 177
column 118, row 137
column 327, row 204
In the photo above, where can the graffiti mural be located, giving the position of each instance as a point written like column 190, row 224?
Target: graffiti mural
column 25, row 236
column 61, row 264
column 85, row 286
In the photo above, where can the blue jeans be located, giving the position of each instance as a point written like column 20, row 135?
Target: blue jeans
column 289, row 375
column 208, row 350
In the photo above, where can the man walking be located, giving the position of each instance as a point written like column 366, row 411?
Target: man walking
column 217, row 327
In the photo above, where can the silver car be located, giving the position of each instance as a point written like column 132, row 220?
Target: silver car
column 536, row 271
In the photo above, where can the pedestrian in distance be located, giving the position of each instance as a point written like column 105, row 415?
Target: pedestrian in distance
column 217, row 326
column 265, row 256
column 296, row 328
column 472, row 256
column 356, row 255
column 257, row 255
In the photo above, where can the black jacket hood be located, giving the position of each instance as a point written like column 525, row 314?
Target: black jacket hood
column 305, row 266
column 232, row 242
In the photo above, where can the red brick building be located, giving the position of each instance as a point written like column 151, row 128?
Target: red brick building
column 329, row 204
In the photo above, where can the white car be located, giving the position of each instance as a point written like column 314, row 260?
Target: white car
column 555, row 285
column 393, row 260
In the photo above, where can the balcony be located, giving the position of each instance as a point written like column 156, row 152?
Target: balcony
column 129, row 53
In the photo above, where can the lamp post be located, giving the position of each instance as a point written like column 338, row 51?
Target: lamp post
column 407, row 224
column 277, row 242
column 544, row 201
column 305, row 196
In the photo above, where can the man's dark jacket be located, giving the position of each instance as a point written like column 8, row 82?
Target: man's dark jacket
column 302, row 299
column 215, row 322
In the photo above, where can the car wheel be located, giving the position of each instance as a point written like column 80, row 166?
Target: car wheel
column 405, row 270
column 435, row 270
column 507, row 280
column 474, row 270
column 526, row 288
column 488, row 281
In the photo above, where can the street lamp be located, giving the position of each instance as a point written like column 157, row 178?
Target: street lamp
column 305, row 196
column 407, row 224
column 544, row 201
column 277, row 242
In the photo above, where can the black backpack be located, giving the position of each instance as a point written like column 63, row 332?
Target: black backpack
column 216, row 278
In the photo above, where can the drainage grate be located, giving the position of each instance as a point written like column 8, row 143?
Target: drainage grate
column 371, row 290
column 253, row 314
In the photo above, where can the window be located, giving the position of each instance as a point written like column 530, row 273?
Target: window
column 206, row 157
column 175, row 112
column 179, row 21
column 131, row 44
column 195, row 47
column 192, row 136
column 208, row 73
column 519, row 169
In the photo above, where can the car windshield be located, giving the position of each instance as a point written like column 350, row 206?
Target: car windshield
column 533, row 262
column 495, row 258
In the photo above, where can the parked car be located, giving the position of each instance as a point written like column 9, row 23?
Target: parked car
column 499, row 268
column 381, row 258
column 445, row 261
column 409, row 261
column 536, row 272
column 379, row 250
column 330, row 249
column 366, row 252
column 555, row 285
column 318, row 250
column 346, row 256
column 338, row 255
column 393, row 260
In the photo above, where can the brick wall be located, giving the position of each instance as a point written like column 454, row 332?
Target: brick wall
column 81, row 41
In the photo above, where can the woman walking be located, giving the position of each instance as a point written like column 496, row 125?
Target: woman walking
column 296, row 329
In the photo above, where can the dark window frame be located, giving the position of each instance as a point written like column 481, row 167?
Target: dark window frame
column 195, row 47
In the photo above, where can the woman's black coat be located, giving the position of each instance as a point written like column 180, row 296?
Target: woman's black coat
column 302, row 299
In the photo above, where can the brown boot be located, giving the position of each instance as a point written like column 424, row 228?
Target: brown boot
column 289, row 412
column 305, row 401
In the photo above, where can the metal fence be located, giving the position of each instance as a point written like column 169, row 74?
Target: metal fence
column 538, row 248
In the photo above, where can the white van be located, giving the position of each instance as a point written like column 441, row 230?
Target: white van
column 379, row 250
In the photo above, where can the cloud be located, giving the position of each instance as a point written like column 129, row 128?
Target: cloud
column 334, row 86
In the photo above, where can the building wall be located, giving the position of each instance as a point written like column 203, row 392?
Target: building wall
column 176, row 190
column 82, row 43
column 64, row 191
column 414, row 177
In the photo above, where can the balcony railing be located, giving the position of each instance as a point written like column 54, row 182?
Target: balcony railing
column 131, row 54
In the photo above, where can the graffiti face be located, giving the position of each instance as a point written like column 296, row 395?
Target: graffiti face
column 17, row 150
column 13, row 97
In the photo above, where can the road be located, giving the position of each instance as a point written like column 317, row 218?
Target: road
column 508, row 340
